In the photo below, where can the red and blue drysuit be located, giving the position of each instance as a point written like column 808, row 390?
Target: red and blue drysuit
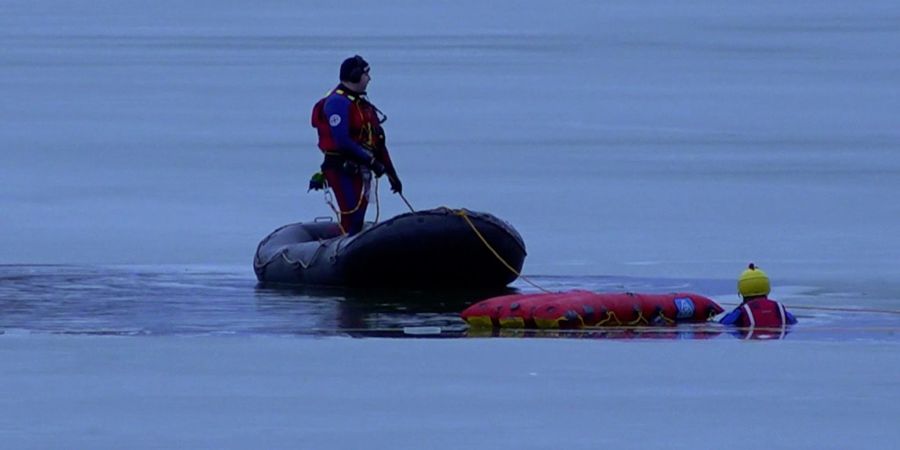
column 353, row 141
column 760, row 318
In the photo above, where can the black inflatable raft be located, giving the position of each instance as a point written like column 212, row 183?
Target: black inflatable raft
column 427, row 249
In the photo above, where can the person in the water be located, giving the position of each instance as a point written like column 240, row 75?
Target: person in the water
column 758, row 316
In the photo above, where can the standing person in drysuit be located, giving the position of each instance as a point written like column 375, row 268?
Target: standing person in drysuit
column 760, row 316
column 353, row 141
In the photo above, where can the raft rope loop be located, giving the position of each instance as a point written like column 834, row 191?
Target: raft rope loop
column 465, row 215
column 305, row 265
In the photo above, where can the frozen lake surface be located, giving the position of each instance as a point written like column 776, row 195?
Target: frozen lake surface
column 147, row 147
column 280, row 393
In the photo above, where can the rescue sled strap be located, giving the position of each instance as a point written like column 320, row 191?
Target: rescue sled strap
column 610, row 315
column 640, row 317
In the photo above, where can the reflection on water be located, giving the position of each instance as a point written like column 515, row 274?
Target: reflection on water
column 681, row 331
column 179, row 300
column 173, row 300
column 374, row 312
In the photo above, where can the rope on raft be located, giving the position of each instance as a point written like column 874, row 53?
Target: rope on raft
column 465, row 216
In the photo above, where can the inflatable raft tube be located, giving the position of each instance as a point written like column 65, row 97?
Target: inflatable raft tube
column 581, row 309
column 435, row 248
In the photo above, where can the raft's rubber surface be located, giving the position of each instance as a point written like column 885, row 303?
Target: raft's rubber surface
column 426, row 249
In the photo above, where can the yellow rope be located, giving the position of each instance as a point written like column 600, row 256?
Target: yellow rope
column 610, row 315
column 666, row 319
column 638, row 320
column 335, row 210
column 359, row 204
column 305, row 265
column 464, row 214
column 362, row 198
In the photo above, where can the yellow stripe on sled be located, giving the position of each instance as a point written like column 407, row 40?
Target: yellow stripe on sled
column 480, row 321
column 512, row 322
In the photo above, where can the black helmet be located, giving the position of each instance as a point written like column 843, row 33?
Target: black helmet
column 353, row 68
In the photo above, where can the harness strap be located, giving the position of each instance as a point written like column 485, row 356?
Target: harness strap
column 340, row 91
column 749, row 315
column 366, row 126
column 784, row 323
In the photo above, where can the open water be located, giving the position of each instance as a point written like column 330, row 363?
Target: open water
column 193, row 300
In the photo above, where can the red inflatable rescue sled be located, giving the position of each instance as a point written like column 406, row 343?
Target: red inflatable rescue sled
column 580, row 309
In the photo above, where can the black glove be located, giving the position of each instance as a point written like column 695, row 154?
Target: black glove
column 396, row 185
column 377, row 168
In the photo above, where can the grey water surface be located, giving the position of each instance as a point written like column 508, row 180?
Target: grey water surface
column 146, row 147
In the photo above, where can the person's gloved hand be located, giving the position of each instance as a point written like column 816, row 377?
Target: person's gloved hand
column 317, row 182
column 396, row 185
column 377, row 168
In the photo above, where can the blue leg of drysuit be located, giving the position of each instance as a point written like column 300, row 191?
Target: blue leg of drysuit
column 347, row 189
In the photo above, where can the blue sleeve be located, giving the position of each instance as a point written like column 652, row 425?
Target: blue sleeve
column 790, row 317
column 732, row 317
column 337, row 109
